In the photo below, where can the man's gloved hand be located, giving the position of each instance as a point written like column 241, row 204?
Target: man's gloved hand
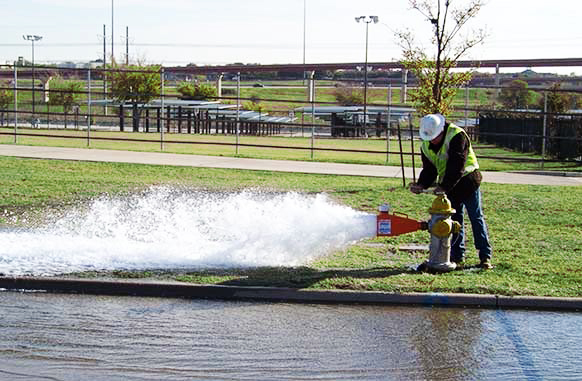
column 415, row 188
column 439, row 190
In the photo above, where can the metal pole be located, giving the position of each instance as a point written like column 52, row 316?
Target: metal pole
column 388, row 117
column 32, row 38
column 412, row 146
column 304, row 35
column 112, row 34
column 103, row 75
column 366, row 79
column 401, row 156
column 237, row 109
column 15, row 103
column 367, row 20
column 33, row 81
column 466, row 104
column 312, row 112
column 127, row 45
column 497, row 81
column 162, row 120
column 89, row 108
column 544, row 127
column 404, row 86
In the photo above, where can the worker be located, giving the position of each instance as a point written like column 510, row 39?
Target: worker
column 448, row 159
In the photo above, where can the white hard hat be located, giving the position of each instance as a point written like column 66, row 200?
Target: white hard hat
column 431, row 126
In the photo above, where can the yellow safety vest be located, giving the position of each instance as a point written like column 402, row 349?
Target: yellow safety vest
column 439, row 159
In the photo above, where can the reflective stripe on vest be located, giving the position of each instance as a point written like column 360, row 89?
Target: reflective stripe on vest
column 439, row 159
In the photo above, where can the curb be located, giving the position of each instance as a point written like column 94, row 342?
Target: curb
column 274, row 294
column 550, row 173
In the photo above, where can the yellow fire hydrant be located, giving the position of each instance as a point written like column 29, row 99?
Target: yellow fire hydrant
column 441, row 228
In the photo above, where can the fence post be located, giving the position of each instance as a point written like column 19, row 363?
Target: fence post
column 412, row 146
column 312, row 99
column 189, row 121
column 121, row 118
column 401, row 156
column 404, row 86
column 179, row 119
column 15, row 103
column 466, row 105
column 89, row 108
column 158, row 119
column 388, row 117
column 162, row 112
column 237, row 109
column 147, row 120
column 544, row 127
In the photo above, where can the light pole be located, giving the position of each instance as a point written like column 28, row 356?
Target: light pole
column 367, row 20
column 32, row 38
column 304, row 36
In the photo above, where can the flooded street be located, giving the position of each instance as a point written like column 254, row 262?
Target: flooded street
column 77, row 337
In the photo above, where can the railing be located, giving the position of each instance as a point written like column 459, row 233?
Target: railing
column 94, row 111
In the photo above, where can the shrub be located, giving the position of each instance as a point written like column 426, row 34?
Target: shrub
column 196, row 91
column 348, row 96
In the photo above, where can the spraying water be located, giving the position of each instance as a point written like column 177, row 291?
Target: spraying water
column 168, row 228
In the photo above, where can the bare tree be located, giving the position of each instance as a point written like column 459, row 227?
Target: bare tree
column 438, row 82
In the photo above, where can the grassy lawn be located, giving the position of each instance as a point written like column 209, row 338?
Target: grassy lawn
column 298, row 148
column 277, row 97
column 536, row 231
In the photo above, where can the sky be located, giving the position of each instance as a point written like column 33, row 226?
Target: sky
column 215, row 32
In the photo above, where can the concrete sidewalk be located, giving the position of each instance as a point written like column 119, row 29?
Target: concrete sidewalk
column 97, row 155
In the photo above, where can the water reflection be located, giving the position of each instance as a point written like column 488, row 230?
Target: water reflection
column 443, row 339
column 73, row 337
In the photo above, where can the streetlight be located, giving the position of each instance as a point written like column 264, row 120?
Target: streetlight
column 367, row 20
column 32, row 38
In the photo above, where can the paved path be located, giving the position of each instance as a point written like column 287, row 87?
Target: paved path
column 83, row 154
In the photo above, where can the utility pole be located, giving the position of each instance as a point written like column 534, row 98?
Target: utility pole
column 126, row 45
column 103, row 73
column 304, row 36
column 367, row 20
column 112, row 33
column 32, row 38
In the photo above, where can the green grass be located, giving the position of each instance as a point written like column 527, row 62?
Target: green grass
column 536, row 231
column 194, row 144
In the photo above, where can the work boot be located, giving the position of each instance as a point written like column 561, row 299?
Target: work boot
column 486, row 264
column 460, row 264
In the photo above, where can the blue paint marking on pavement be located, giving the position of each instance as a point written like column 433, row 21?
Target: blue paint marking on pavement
column 436, row 299
column 524, row 357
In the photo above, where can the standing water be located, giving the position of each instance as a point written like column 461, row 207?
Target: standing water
column 101, row 338
column 171, row 228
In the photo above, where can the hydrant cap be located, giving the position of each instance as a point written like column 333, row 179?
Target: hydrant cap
column 441, row 205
